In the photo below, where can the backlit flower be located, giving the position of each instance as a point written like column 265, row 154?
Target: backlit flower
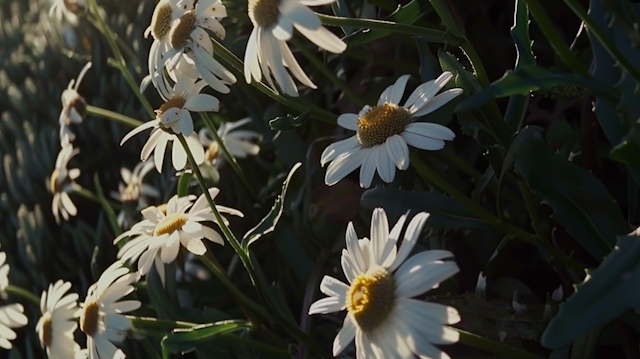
column 383, row 132
column 61, row 183
column 11, row 316
column 381, row 316
column 67, row 9
column 73, row 108
column 101, row 318
column 238, row 142
column 58, row 322
column 267, row 51
column 160, row 235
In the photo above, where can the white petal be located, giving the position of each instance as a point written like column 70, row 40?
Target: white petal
column 345, row 336
column 348, row 266
column 398, row 89
column 344, row 165
column 290, row 61
column 299, row 14
column 433, row 130
column 337, row 148
column 421, row 142
column 416, row 279
column 410, row 238
column 197, row 150
column 353, row 247
column 432, row 311
column 202, row 102
column 368, row 167
column 333, row 287
column 398, row 151
column 326, row 305
column 379, row 234
column 437, row 102
column 283, row 30
column 428, row 90
column 323, row 38
column 144, row 126
column 178, row 156
column 385, row 166
column 348, row 121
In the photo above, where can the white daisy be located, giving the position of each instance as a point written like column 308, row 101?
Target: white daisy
column 237, row 142
column 61, row 184
column 172, row 118
column 381, row 316
column 164, row 14
column 58, row 322
column 67, row 9
column 384, row 131
column 11, row 316
column 267, row 51
column 73, row 107
column 159, row 235
column 133, row 193
column 101, row 318
column 4, row 274
column 189, row 43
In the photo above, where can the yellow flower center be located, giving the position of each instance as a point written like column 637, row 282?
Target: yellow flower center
column 161, row 20
column 89, row 318
column 382, row 122
column 177, row 101
column 212, row 152
column 182, row 30
column 264, row 13
column 163, row 208
column 170, row 223
column 131, row 193
column 46, row 329
column 53, row 181
column 371, row 299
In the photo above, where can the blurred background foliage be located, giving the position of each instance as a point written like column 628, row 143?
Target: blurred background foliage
column 39, row 56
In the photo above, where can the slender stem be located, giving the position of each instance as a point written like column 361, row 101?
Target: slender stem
column 258, row 345
column 12, row 289
column 429, row 34
column 232, row 160
column 296, row 103
column 484, row 215
column 114, row 116
column 478, row 66
column 495, row 347
column 155, row 323
column 111, row 215
column 327, row 73
column 83, row 192
column 608, row 44
column 550, row 32
column 120, row 63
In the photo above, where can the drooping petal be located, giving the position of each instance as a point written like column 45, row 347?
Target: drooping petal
column 326, row 305
column 410, row 238
column 422, row 142
column 346, row 163
column 323, row 38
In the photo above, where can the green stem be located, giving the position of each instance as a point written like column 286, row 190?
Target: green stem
column 111, row 214
column 533, row 210
column 593, row 27
column 258, row 345
column 83, row 192
column 478, row 66
column 296, row 103
column 484, row 215
column 114, row 116
column 12, row 289
column 232, row 160
column 327, row 73
column 155, row 323
column 429, row 34
column 550, row 32
column 495, row 347
column 119, row 63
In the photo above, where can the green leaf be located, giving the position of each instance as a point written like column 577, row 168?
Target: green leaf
column 288, row 122
column 628, row 150
column 183, row 184
column 185, row 340
column 268, row 223
column 581, row 203
column 514, row 148
column 407, row 14
column 447, row 14
column 520, row 35
column 462, row 78
column 445, row 211
column 605, row 294
column 531, row 78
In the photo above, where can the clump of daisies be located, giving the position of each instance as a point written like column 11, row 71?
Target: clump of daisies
column 58, row 322
column 382, row 317
column 267, row 52
column 385, row 131
column 238, row 142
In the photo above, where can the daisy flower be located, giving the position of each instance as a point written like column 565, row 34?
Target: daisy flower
column 67, row 9
column 160, row 234
column 132, row 193
column 73, row 107
column 384, row 131
column 164, row 14
column 11, row 316
column 190, row 43
column 267, row 51
column 381, row 316
column 4, row 274
column 238, row 142
column 58, row 322
column 101, row 317
column 61, row 183
column 172, row 118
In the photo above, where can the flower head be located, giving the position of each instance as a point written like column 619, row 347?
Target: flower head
column 101, row 318
column 188, row 43
column 384, row 131
column 172, row 118
column 58, row 322
column 159, row 236
column 73, row 107
column 238, row 142
column 67, row 9
column 381, row 316
column 11, row 316
column 61, row 183
column 267, row 52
